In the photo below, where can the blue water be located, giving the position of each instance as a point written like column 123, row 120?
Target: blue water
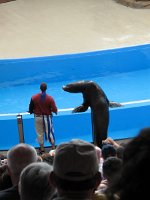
column 121, row 87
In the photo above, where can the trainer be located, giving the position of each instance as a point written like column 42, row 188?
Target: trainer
column 43, row 105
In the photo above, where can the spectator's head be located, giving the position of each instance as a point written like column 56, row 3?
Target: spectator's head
column 108, row 150
column 135, row 174
column 5, row 180
column 2, row 157
column 43, row 87
column 76, row 166
column 111, row 168
column 19, row 157
column 34, row 182
column 119, row 151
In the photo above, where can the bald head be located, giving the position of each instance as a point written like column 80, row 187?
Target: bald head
column 19, row 157
column 43, row 87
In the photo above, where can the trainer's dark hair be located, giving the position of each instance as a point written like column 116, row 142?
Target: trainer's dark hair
column 43, row 87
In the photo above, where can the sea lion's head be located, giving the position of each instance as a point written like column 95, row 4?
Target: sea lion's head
column 77, row 87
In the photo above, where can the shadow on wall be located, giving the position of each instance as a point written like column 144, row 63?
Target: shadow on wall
column 135, row 3
column 5, row 1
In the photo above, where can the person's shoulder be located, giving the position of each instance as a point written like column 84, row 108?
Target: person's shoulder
column 35, row 95
column 99, row 196
column 9, row 194
column 49, row 97
column 59, row 198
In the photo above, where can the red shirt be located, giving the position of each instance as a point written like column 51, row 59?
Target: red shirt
column 43, row 107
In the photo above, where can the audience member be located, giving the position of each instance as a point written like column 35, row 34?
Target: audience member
column 75, row 170
column 18, row 157
column 5, row 179
column 108, row 150
column 46, row 157
column 111, row 170
column 98, row 152
column 34, row 182
column 100, row 159
column 120, row 151
column 52, row 152
column 111, row 141
column 39, row 159
column 135, row 175
column 119, row 147
column 2, row 157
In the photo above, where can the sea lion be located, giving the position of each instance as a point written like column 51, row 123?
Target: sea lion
column 95, row 98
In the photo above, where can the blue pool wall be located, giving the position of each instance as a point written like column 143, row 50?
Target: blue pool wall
column 125, row 122
column 73, row 66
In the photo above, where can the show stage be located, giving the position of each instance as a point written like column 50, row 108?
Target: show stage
column 123, row 74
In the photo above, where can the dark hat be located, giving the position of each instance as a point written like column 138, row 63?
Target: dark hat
column 75, row 161
column 108, row 150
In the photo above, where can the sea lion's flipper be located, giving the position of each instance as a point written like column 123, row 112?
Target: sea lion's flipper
column 113, row 104
column 81, row 108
